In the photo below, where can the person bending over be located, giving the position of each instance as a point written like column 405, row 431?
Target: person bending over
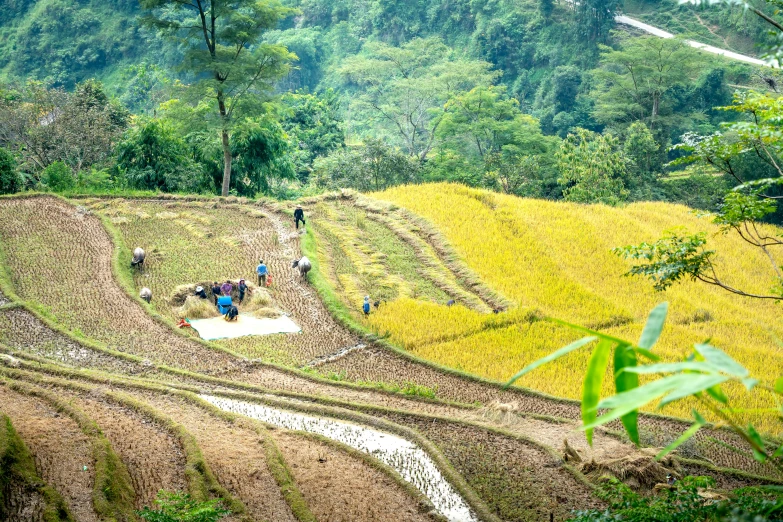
column 232, row 313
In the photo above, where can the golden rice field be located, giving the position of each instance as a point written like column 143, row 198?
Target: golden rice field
column 556, row 258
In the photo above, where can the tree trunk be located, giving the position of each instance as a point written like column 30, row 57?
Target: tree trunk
column 226, row 144
column 656, row 106
column 226, row 164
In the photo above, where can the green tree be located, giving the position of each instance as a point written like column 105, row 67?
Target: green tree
column 644, row 160
column 10, row 181
column 404, row 91
column 484, row 121
column 517, row 175
column 49, row 125
column 676, row 256
column 370, row 167
column 315, row 127
column 633, row 83
column 225, row 52
column 263, row 153
column 596, row 17
column 58, row 177
column 592, row 168
column 152, row 157
column 546, row 8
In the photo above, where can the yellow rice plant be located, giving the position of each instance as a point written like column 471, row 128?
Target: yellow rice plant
column 556, row 257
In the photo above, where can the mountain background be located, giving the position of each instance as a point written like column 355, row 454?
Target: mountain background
column 63, row 42
column 483, row 93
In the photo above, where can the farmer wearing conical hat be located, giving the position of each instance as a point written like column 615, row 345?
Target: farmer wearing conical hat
column 299, row 216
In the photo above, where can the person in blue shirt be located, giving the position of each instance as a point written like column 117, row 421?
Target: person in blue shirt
column 262, row 272
column 366, row 306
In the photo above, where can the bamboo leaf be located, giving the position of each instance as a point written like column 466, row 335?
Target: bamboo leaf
column 646, row 353
column 690, row 432
column 695, row 384
column 756, row 438
column 652, row 330
column 750, row 383
column 721, row 360
column 551, row 357
column 626, row 402
column 675, row 367
column 591, row 389
column 625, row 358
column 716, row 393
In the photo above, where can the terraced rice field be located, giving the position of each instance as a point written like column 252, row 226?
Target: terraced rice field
column 540, row 259
column 80, row 356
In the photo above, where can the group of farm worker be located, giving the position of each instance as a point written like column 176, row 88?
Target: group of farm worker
column 223, row 289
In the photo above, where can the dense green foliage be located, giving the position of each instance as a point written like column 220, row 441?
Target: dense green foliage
column 683, row 502
column 179, row 507
column 10, row 181
column 324, row 94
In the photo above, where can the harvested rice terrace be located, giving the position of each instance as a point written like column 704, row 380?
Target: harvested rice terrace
column 100, row 392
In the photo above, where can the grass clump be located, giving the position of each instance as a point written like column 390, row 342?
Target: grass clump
column 266, row 313
column 259, row 299
column 197, row 308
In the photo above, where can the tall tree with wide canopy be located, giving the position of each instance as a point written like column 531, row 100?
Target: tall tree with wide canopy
column 403, row 91
column 225, row 55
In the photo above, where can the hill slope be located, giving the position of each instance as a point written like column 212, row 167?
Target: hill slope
column 551, row 257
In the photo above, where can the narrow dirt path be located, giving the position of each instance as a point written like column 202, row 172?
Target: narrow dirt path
column 60, row 449
column 713, row 33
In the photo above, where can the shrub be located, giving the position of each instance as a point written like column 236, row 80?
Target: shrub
column 180, row 507
column 10, row 181
column 58, row 177
column 95, row 180
column 684, row 501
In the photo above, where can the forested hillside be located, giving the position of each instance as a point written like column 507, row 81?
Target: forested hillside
column 482, row 93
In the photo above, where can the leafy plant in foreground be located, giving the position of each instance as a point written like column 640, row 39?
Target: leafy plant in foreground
column 180, row 507
column 682, row 503
column 701, row 376
column 744, row 208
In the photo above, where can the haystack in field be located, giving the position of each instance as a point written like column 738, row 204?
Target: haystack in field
column 196, row 308
column 259, row 298
column 266, row 313
column 638, row 470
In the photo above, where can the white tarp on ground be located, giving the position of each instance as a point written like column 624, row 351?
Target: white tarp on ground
column 219, row 328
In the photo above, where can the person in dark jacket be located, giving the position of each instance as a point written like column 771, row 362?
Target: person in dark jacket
column 299, row 216
column 366, row 305
column 200, row 292
column 232, row 313
column 215, row 291
column 242, row 287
